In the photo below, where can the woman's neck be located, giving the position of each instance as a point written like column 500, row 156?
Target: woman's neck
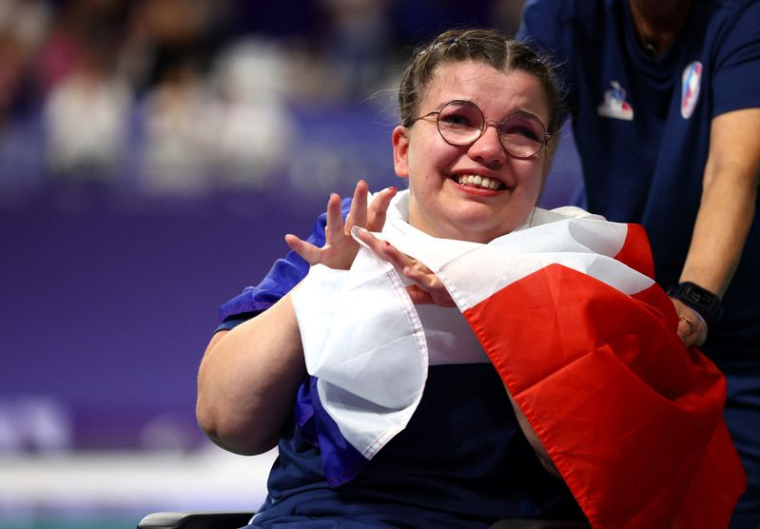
column 658, row 22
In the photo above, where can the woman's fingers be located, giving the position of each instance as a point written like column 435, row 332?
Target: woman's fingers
column 422, row 275
column 429, row 283
column 420, row 296
column 334, row 226
column 382, row 249
column 357, row 215
column 427, row 288
column 386, row 251
column 378, row 209
column 310, row 253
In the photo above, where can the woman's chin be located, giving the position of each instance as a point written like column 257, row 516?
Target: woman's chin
column 471, row 220
column 481, row 232
column 483, row 226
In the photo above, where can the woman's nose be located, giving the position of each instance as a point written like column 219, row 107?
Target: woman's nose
column 488, row 147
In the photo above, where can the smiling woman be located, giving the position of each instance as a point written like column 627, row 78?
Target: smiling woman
column 430, row 374
column 458, row 456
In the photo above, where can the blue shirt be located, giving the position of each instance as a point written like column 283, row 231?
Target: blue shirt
column 642, row 128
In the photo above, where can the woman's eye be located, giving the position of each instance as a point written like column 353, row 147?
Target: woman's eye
column 525, row 132
column 456, row 120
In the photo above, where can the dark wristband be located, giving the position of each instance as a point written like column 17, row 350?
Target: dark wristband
column 701, row 300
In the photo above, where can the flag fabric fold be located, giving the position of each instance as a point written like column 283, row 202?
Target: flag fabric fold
column 580, row 334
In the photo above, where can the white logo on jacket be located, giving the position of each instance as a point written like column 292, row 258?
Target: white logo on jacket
column 614, row 105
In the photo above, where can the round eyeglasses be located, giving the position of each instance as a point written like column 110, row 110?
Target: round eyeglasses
column 462, row 123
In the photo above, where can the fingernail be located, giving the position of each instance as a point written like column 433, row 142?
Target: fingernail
column 391, row 188
column 356, row 229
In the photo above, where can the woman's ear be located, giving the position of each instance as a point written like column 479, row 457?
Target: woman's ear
column 400, row 139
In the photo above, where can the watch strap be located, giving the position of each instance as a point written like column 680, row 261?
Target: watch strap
column 704, row 302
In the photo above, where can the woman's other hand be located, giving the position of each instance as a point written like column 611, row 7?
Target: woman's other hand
column 427, row 288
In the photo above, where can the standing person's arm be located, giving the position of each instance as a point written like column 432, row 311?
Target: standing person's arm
column 729, row 195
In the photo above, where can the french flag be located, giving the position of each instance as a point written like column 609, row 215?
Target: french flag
column 583, row 338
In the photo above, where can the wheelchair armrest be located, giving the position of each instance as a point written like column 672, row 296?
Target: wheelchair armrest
column 196, row 520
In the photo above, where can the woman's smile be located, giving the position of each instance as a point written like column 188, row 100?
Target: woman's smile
column 477, row 182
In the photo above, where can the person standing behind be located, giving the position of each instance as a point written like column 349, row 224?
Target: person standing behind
column 665, row 101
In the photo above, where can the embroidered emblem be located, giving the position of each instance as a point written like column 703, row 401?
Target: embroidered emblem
column 690, row 83
column 614, row 105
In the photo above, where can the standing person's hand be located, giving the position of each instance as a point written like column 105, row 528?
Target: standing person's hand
column 340, row 248
column 692, row 328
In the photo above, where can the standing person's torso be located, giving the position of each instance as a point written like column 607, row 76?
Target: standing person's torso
column 642, row 127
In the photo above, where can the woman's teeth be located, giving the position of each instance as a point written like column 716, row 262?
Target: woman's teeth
column 479, row 181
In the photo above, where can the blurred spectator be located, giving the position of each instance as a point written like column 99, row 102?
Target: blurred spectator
column 78, row 28
column 175, row 134
column 86, row 113
column 358, row 39
column 23, row 28
column 169, row 53
column 253, row 128
column 166, row 35
column 231, row 128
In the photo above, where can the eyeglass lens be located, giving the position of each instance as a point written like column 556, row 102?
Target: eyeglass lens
column 462, row 123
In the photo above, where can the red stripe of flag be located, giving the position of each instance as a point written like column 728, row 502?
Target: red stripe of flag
column 636, row 251
column 631, row 418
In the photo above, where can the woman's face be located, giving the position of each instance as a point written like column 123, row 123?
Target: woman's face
column 444, row 202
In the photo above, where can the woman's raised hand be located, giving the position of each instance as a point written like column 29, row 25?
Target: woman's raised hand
column 427, row 288
column 340, row 248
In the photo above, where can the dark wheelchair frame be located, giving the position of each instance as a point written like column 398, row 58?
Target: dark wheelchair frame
column 239, row 519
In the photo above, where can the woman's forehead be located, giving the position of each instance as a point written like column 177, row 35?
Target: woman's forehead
column 495, row 91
